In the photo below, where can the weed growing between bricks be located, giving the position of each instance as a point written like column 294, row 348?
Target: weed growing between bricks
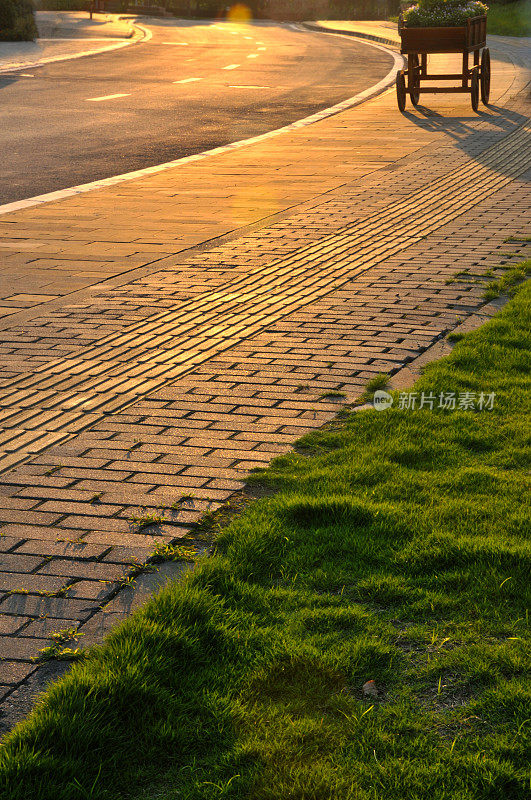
column 508, row 282
column 390, row 548
column 58, row 650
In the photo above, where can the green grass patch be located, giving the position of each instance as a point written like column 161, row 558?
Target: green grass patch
column 510, row 19
column 57, row 653
column 455, row 336
column 508, row 282
column 146, row 520
column 333, row 395
column 393, row 548
column 173, row 552
column 378, row 382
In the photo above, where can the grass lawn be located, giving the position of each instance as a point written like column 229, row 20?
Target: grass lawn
column 513, row 19
column 394, row 550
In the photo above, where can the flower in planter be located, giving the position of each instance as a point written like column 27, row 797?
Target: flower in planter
column 442, row 13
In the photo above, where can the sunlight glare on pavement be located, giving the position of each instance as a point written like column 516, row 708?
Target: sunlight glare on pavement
column 249, row 197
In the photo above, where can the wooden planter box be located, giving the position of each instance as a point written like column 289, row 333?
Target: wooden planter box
column 418, row 43
column 461, row 39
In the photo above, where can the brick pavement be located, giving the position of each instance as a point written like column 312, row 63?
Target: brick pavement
column 124, row 399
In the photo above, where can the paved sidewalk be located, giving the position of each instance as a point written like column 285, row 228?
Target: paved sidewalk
column 77, row 24
column 385, row 32
column 66, row 34
column 164, row 336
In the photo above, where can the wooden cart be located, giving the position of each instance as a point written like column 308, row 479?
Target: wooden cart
column 417, row 43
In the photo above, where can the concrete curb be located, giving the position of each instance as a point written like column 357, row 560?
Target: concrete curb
column 358, row 34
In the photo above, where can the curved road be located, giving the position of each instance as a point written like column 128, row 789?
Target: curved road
column 192, row 87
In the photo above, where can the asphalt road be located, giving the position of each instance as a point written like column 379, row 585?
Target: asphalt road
column 192, row 87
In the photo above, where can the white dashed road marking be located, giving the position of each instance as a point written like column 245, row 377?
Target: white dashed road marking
column 107, row 97
column 188, row 80
column 253, row 55
column 231, row 66
column 240, row 86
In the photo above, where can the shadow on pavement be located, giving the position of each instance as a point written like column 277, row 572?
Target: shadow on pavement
column 7, row 81
column 463, row 132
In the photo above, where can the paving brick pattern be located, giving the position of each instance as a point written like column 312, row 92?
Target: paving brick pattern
column 63, row 396
column 184, row 379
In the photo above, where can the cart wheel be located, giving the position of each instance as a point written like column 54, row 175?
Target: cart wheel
column 485, row 75
column 474, row 89
column 401, row 91
column 413, row 78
